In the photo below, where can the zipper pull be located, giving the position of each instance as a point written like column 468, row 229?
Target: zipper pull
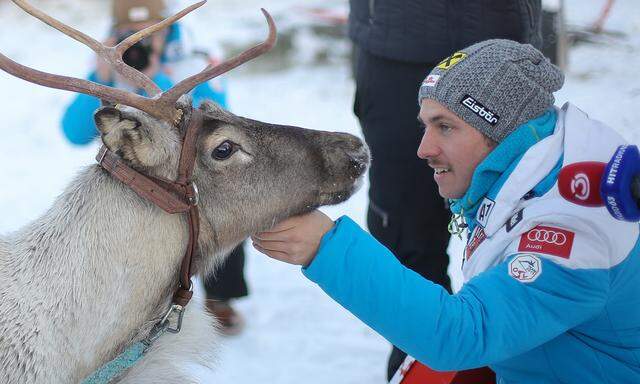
column 457, row 225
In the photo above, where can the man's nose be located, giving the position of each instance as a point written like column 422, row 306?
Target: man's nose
column 428, row 145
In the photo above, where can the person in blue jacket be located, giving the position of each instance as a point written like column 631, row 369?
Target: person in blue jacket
column 551, row 288
column 162, row 57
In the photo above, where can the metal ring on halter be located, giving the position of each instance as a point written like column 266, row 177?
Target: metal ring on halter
column 195, row 199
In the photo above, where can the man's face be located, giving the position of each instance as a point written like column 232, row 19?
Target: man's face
column 452, row 147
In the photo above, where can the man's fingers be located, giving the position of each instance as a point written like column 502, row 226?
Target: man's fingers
column 278, row 255
column 287, row 224
column 269, row 236
column 277, row 246
column 283, row 226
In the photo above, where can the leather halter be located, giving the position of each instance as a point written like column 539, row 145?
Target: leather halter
column 179, row 196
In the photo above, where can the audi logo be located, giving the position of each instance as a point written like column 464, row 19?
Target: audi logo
column 546, row 236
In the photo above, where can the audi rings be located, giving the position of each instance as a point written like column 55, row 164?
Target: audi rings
column 547, row 236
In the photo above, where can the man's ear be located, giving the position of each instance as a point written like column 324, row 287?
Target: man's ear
column 125, row 136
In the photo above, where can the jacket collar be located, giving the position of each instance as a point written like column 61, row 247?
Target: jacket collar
column 515, row 167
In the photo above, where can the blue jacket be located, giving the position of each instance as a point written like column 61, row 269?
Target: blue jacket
column 551, row 291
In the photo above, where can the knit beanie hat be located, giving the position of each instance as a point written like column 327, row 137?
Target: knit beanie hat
column 137, row 11
column 494, row 86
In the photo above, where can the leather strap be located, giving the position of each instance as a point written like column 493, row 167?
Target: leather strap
column 185, row 171
column 180, row 196
column 188, row 152
column 143, row 185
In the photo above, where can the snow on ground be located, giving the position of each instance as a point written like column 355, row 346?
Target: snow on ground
column 294, row 332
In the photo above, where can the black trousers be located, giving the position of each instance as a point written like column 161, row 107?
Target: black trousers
column 228, row 280
column 405, row 213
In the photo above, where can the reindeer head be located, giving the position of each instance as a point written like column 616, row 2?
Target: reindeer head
column 250, row 174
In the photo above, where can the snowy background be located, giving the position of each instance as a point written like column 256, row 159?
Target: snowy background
column 294, row 332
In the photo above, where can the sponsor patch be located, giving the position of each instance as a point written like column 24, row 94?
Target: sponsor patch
column 478, row 237
column 431, row 80
column 482, row 217
column 515, row 220
column 580, row 186
column 483, row 112
column 548, row 240
column 525, row 268
column 451, row 60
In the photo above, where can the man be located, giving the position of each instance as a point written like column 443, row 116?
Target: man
column 550, row 287
column 397, row 43
column 162, row 58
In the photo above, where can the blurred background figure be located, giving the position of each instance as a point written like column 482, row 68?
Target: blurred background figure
column 165, row 59
column 397, row 43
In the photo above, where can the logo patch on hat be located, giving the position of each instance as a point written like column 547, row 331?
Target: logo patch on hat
column 451, row 60
column 525, row 268
column 474, row 106
column 431, row 81
column 549, row 240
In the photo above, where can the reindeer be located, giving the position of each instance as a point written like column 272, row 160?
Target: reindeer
column 108, row 266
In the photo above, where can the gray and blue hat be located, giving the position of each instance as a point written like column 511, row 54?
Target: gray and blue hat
column 494, row 86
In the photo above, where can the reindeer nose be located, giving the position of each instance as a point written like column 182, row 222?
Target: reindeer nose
column 355, row 149
column 351, row 144
column 359, row 154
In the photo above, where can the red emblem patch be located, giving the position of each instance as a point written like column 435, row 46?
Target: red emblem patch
column 478, row 237
column 548, row 240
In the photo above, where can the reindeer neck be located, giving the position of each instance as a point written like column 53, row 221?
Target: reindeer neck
column 94, row 269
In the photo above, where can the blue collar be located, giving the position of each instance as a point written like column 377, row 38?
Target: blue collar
column 491, row 174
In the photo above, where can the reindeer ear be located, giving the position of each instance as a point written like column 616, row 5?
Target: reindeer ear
column 125, row 136
column 107, row 120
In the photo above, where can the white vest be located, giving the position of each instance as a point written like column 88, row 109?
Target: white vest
column 548, row 226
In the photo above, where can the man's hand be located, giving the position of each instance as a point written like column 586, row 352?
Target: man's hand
column 295, row 240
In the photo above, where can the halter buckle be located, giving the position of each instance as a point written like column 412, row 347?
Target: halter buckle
column 179, row 309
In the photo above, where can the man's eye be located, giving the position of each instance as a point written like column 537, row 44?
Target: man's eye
column 445, row 128
column 224, row 151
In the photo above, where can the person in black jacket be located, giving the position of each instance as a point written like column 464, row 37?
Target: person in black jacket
column 397, row 43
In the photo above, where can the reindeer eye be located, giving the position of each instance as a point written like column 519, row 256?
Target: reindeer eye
column 223, row 151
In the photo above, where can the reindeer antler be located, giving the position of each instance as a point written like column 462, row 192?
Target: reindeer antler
column 160, row 105
column 186, row 85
